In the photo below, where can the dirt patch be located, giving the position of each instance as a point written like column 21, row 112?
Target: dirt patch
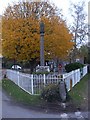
column 60, row 107
column 55, row 107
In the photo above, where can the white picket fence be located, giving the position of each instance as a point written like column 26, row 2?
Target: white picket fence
column 33, row 84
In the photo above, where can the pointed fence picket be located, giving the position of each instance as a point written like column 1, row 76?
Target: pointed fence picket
column 33, row 83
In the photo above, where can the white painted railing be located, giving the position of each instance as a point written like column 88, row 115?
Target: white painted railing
column 33, row 84
column 85, row 70
column 72, row 78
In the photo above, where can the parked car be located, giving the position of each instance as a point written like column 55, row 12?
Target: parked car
column 16, row 67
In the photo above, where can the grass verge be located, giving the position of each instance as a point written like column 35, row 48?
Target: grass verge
column 18, row 94
column 0, row 82
column 79, row 93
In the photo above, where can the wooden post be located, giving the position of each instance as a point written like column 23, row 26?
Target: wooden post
column 70, row 84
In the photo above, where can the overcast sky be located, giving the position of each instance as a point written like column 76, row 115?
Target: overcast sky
column 62, row 4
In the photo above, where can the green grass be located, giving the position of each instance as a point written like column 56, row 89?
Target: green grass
column 79, row 93
column 0, row 82
column 18, row 94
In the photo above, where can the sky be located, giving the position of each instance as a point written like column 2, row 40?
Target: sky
column 61, row 4
column 64, row 4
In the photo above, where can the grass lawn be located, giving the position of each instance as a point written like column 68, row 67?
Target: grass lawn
column 0, row 82
column 18, row 94
column 79, row 93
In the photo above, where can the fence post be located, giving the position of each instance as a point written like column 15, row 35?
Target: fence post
column 32, row 84
column 86, row 69
column 18, row 77
column 44, row 79
column 79, row 75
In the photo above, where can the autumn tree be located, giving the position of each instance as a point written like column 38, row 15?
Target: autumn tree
column 32, row 9
column 79, row 25
column 0, row 36
column 82, row 53
column 21, row 36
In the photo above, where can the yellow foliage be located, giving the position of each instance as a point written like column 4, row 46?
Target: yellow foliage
column 21, row 38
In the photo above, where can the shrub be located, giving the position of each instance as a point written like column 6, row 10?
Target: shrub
column 51, row 93
column 73, row 66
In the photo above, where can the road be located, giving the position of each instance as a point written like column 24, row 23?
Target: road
column 10, row 109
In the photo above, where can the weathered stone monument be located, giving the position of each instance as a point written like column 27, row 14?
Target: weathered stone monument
column 41, row 44
column 62, row 91
column 42, row 67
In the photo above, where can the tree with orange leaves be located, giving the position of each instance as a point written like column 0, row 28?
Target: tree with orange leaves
column 21, row 36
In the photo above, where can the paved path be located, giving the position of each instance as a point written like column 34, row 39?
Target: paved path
column 10, row 109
